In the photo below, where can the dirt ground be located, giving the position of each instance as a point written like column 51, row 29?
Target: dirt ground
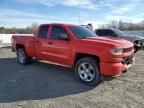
column 43, row 85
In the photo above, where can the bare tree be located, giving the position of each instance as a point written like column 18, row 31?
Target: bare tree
column 124, row 25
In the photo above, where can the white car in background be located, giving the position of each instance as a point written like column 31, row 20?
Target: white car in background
column 137, row 40
column 0, row 43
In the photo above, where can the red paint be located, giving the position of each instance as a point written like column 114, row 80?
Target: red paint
column 64, row 51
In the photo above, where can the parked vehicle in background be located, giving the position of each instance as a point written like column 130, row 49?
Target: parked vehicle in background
column 137, row 40
column 0, row 43
column 89, row 26
column 78, row 47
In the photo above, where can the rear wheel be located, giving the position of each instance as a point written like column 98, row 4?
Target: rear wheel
column 86, row 69
column 22, row 57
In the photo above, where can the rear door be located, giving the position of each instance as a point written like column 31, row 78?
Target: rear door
column 40, row 42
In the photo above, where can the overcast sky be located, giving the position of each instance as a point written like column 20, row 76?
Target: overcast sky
column 22, row 13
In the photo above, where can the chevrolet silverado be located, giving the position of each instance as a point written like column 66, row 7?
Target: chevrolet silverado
column 76, row 46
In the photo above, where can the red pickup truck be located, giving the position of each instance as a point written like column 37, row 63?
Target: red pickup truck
column 77, row 47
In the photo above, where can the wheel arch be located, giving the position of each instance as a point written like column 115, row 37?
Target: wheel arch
column 19, row 46
column 79, row 56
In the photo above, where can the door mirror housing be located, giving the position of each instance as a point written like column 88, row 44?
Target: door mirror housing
column 64, row 37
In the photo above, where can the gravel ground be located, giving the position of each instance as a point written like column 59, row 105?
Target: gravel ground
column 43, row 85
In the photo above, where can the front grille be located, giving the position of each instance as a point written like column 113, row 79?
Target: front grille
column 127, row 60
column 127, row 49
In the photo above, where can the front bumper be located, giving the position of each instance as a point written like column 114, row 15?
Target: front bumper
column 114, row 69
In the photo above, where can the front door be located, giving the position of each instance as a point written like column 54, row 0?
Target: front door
column 59, row 50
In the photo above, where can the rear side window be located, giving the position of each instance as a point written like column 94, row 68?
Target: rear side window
column 57, row 31
column 43, row 32
column 105, row 33
column 99, row 32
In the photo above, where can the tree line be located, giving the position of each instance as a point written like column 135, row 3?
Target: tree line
column 124, row 26
column 27, row 30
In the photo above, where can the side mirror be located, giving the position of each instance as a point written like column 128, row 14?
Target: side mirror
column 64, row 37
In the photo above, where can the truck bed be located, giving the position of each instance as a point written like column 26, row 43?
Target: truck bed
column 26, row 40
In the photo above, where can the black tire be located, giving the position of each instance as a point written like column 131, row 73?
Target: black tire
column 135, row 49
column 96, row 74
column 22, row 58
column 137, row 46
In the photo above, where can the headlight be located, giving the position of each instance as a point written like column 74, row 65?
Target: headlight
column 116, row 51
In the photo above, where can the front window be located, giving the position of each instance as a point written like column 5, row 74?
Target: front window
column 82, row 32
column 57, row 31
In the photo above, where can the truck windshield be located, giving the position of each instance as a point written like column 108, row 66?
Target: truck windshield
column 82, row 32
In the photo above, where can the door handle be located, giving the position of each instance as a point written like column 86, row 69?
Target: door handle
column 50, row 43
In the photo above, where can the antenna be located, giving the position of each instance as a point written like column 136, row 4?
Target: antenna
column 79, row 18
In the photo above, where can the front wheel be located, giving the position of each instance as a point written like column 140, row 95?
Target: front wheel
column 86, row 69
column 22, row 57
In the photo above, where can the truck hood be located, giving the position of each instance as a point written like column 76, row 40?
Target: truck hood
column 109, row 41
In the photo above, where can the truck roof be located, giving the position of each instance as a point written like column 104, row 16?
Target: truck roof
column 106, row 29
column 65, row 24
